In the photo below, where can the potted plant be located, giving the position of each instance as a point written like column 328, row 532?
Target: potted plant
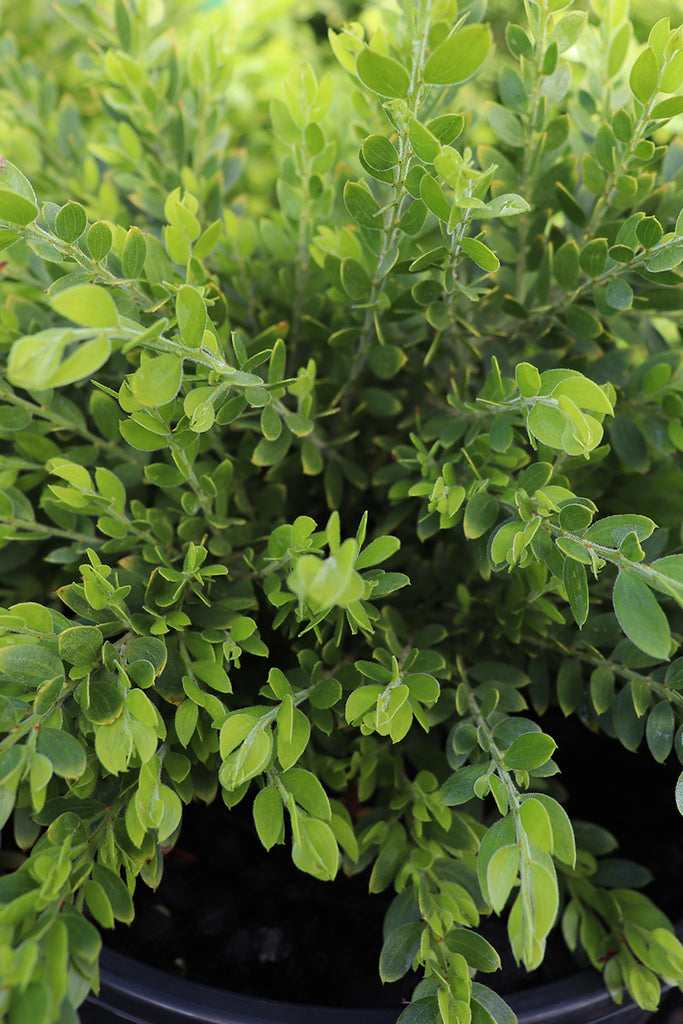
column 334, row 454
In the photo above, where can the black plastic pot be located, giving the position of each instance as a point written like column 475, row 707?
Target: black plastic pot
column 132, row 993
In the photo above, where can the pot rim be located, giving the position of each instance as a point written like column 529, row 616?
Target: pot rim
column 132, row 986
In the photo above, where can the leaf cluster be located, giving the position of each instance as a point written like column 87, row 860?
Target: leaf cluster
column 340, row 438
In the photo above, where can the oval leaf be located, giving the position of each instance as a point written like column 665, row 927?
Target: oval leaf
column 640, row 617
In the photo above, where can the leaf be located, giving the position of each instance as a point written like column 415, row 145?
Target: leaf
column 355, row 280
column 501, row 875
column 308, row 792
column 63, row 750
column 434, row 198
column 134, row 254
column 157, row 381
column 480, row 515
column 640, row 616
column 536, row 823
column 576, row 585
column 98, row 904
column 116, row 892
column 459, row 788
column 290, row 748
column 379, row 152
column 528, row 379
column 459, row 56
column 619, row 294
column 33, row 1003
column 665, row 109
column 507, row 127
column 529, row 751
column 564, row 845
column 208, row 240
column 15, row 208
column 191, row 314
column 81, row 645
column 667, row 258
column 679, row 793
column 491, row 1002
column 99, row 240
column 660, row 729
column 399, row 950
column 478, row 952
column 612, row 530
column 315, row 851
column 86, row 304
column 268, row 816
column 71, row 222
column 382, row 75
column 377, row 551
column 480, row 254
column 644, row 75
column 29, row 665
column 585, row 393
column 362, row 206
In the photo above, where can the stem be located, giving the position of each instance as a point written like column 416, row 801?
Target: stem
column 531, row 152
column 391, row 232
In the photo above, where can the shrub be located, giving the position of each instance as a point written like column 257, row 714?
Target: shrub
column 306, row 494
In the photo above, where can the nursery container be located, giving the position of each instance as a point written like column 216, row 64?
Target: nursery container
column 133, row 993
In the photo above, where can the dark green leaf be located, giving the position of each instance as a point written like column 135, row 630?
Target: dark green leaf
column 576, row 585
column 640, row 616
column 399, row 950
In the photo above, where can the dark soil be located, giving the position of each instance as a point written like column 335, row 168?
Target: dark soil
column 231, row 915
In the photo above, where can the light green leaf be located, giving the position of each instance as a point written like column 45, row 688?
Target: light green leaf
column 308, row 792
column 564, row 845
column 382, row 75
column 99, row 240
column 157, row 381
column 134, row 253
column 15, row 208
column 536, row 823
column 86, row 304
column 501, row 875
column 480, row 254
column 380, row 153
column 191, row 313
column 71, row 222
column 585, row 393
column 528, row 379
column 434, row 198
column 529, row 751
column 378, row 551
column 644, row 75
column 315, row 851
column 291, row 747
column 269, row 816
column 459, row 56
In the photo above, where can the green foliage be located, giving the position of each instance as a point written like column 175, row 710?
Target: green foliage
column 323, row 470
